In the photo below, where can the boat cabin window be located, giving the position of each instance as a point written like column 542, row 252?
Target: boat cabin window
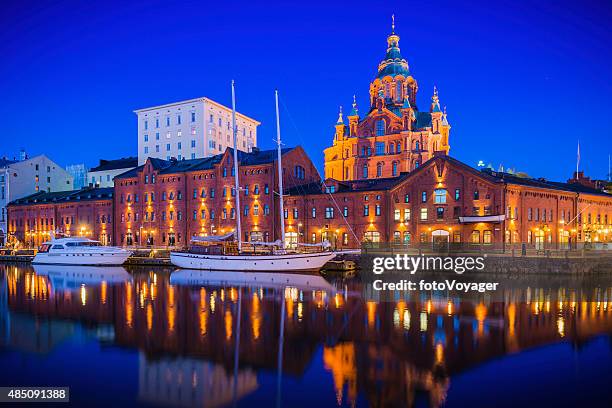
column 57, row 247
column 82, row 244
column 44, row 248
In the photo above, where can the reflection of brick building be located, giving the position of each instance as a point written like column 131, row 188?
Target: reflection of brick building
column 86, row 212
column 385, row 350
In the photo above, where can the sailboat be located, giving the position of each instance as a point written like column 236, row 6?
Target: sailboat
column 222, row 253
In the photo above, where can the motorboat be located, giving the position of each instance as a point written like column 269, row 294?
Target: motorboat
column 79, row 251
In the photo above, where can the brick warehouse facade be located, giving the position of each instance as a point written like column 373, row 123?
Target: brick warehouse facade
column 165, row 201
column 442, row 201
column 86, row 212
column 446, row 201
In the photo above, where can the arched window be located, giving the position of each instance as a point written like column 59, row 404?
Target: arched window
column 398, row 148
column 394, row 168
column 299, row 172
column 417, row 164
column 379, row 168
column 391, row 148
column 380, row 127
column 399, row 95
column 365, row 171
column 417, row 145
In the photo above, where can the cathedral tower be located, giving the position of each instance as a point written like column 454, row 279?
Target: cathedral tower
column 394, row 136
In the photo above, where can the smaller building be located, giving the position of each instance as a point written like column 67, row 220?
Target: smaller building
column 27, row 176
column 103, row 174
column 86, row 212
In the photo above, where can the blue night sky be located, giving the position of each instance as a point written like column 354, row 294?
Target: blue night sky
column 523, row 81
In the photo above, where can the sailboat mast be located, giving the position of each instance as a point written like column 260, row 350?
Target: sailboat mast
column 280, row 174
column 236, row 184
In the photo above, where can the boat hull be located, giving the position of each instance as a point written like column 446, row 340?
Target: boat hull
column 251, row 263
column 82, row 258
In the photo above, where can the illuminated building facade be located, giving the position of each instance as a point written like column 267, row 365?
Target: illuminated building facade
column 86, row 212
column 394, row 136
column 445, row 201
column 163, row 202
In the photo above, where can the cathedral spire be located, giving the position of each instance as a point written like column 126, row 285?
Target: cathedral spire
column 445, row 118
column 392, row 23
column 435, row 101
column 354, row 111
column 340, row 121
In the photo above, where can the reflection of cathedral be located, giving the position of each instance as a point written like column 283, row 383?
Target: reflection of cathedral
column 393, row 136
column 186, row 382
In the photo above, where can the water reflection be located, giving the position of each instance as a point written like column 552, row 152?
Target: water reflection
column 204, row 338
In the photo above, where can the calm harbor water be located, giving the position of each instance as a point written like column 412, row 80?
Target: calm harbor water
column 160, row 337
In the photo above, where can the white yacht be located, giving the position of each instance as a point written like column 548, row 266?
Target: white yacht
column 79, row 251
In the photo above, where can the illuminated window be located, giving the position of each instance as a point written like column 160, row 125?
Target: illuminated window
column 407, row 215
column 440, row 196
column 475, row 237
column 423, row 214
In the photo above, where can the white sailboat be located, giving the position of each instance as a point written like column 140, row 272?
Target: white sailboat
column 226, row 255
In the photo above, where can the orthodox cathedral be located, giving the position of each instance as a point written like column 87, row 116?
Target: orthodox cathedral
column 394, row 136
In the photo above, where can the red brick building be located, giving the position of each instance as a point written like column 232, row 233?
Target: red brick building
column 446, row 201
column 162, row 203
column 86, row 212
column 442, row 201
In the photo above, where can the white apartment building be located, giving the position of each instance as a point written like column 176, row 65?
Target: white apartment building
column 103, row 174
column 22, row 178
column 191, row 129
